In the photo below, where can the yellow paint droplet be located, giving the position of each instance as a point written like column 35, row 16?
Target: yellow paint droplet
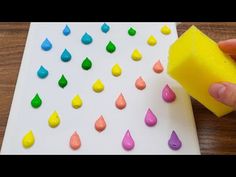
column 28, row 139
column 54, row 120
column 152, row 40
column 77, row 102
column 136, row 55
column 165, row 30
column 98, row 86
column 116, row 70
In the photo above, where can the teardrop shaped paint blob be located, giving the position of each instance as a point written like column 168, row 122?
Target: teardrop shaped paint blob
column 100, row 124
column 28, row 140
column 86, row 39
column 174, row 141
column 65, row 56
column 105, row 28
column 131, row 31
column 98, row 86
column 136, row 55
column 76, row 102
column 66, row 30
column 120, row 102
column 62, row 81
column 140, row 83
column 110, row 47
column 152, row 40
column 128, row 142
column 168, row 94
column 157, row 67
column 165, row 30
column 75, row 142
column 86, row 64
column 150, row 118
column 46, row 45
column 42, row 72
column 54, row 120
column 36, row 101
column 116, row 70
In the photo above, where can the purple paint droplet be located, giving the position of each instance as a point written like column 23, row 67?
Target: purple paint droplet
column 128, row 142
column 174, row 141
column 150, row 118
column 168, row 94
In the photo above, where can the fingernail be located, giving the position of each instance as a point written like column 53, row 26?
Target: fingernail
column 217, row 90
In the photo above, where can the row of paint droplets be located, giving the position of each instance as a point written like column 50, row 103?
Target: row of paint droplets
column 150, row 120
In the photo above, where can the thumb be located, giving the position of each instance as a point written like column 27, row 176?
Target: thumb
column 224, row 92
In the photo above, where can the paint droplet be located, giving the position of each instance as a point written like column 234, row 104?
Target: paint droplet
column 77, row 102
column 165, row 30
column 157, row 67
column 150, row 118
column 42, row 72
column 131, row 31
column 168, row 94
column 98, row 86
column 75, row 142
column 105, row 28
column 174, row 141
column 140, row 83
column 28, row 140
column 152, row 40
column 66, row 30
column 120, row 102
column 54, row 120
column 86, row 64
column 136, row 55
column 116, row 70
column 46, row 45
column 86, row 39
column 128, row 142
column 65, row 56
column 110, row 47
column 36, row 101
column 100, row 124
column 62, row 81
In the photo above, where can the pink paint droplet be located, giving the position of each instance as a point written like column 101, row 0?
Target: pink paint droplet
column 168, row 94
column 174, row 141
column 75, row 142
column 120, row 102
column 157, row 67
column 128, row 142
column 100, row 124
column 150, row 118
column 140, row 83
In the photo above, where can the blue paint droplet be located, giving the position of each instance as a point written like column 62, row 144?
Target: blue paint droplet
column 66, row 30
column 65, row 56
column 46, row 45
column 86, row 39
column 105, row 28
column 42, row 72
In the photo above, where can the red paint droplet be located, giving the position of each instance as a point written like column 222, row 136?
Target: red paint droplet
column 120, row 102
column 140, row 83
column 75, row 142
column 100, row 124
column 157, row 67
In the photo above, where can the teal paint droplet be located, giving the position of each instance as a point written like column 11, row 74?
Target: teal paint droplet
column 42, row 72
column 65, row 56
column 66, row 30
column 86, row 39
column 46, row 45
column 105, row 28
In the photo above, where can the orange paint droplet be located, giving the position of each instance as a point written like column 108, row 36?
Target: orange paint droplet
column 100, row 124
column 140, row 83
column 75, row 142
column 158, row 68
column 120, row 102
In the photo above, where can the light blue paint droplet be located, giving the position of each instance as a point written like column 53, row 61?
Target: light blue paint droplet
column 66, row 30
column 105, row 28
column 42, row 72
column 86, row 39
column 46, row 45
column 65, row 56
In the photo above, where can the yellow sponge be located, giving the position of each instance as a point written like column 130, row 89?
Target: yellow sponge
column 196, row 62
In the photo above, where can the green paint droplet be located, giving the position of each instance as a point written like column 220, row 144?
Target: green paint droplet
column 87, row 64
column 62, row 81
column 36, row 101
column 110, row 47
column 131, row 31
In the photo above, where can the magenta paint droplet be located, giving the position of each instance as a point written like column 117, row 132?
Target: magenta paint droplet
column 128, row 142
column 174, row 141
column 168, row 94
column 150, row 118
